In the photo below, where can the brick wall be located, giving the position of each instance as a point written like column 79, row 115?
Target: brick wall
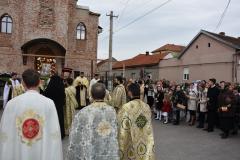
column 55, row 20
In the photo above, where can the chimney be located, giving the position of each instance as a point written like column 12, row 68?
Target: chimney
column 147, row 53
column 222, row 33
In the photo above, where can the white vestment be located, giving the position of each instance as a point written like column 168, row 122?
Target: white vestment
column 29, row 129
column 7, row 89
column 92, row 82
column 94, row 134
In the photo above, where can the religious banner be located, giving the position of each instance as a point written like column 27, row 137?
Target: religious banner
column 46, row 66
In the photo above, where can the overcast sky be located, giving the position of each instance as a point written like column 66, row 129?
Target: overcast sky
column 177, row 22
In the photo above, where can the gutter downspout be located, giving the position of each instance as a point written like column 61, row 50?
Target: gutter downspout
column 233, row 67
column 236, row 65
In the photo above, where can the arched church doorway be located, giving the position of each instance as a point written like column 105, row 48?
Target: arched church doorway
column 45, row 55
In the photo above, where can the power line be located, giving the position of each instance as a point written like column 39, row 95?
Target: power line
column 142, row 16
column 223, row 15
column 121, row 13
column 105, row 35
column 138, row 18
column 124, row 9
column 137, row 7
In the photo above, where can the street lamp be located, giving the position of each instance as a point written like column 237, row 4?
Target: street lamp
column 100, row 29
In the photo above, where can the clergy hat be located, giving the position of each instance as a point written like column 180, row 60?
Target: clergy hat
column 67, row 70
column 13, row 74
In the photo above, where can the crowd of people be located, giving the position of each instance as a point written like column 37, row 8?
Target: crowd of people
column 100, row 124
column 103, row 124
column 206, row 104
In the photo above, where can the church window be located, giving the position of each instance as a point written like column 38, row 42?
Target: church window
column 81, row 31
column 6, row 24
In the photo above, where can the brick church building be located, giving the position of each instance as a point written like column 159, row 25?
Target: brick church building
column 47, row 35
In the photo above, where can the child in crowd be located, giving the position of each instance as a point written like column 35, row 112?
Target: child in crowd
column 159, row 96
column 166, row 109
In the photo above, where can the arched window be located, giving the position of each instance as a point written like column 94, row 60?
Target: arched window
column 81, row 31
column 6, row 24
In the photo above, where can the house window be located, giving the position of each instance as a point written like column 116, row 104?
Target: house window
column 186, row 74
column 196, row 46
column 81, row 31
column 209, row 44
column 6, row 24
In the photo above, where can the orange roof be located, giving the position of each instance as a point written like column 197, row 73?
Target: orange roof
column 140, row 60
column 170, row 47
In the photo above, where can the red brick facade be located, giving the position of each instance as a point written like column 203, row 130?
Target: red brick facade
column 48, row 27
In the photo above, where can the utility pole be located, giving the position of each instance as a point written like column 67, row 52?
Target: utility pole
column 110, row 75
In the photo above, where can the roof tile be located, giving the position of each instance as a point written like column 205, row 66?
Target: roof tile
column 140, row 60
column 170, row 47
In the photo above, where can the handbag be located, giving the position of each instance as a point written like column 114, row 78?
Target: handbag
column 224, row 108
column 226, row 111
column 181, row 106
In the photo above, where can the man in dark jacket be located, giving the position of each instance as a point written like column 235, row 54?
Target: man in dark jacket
column 212, row 95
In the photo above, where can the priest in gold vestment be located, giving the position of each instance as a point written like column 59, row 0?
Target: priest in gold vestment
column 135, row 133
column 70, row 105
column 93, row 135
column 119, row 97
column 82, row 85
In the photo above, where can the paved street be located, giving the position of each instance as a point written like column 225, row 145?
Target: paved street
column 189, row 143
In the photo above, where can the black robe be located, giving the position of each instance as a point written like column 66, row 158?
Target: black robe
column 56, row 92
